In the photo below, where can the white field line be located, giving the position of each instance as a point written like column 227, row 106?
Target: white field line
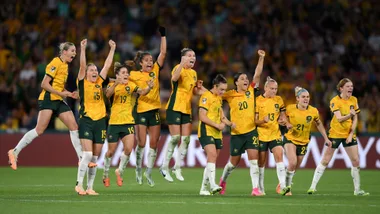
column 193, row 202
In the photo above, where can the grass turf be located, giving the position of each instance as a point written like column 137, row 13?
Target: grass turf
column 51, row 190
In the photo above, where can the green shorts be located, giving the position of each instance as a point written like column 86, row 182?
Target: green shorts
column 337, row 141
column 92, row 130
column 264, row 146
column 300, row 149
column 210, row 140
column 240, row 143
column 177, row 118
column 149, row 118
column 58, row 106
column 116, row 132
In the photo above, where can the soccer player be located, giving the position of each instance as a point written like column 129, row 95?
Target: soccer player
column 51, row 102
column 148, row 116
column 299, row 121
column 243, row 133
column 345, row 109
column 178, row 111
column 211, row 124
column 92, row 121
column 269, row 108
column 121, row 123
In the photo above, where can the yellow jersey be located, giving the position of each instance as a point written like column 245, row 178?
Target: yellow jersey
column 302, row 121
column 91, row 99
column 122, row 104
column 337, row 129
column 270, row 107
column 182, row 91
column 242, row 110
column 58, row 71
column 213, row 104
column 150, row 101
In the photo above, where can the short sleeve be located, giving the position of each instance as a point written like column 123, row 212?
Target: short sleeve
column 316, row 116
column 52, row 68
column 204, row 101
column 281, row 103
column 110, row 85
column 334, row 106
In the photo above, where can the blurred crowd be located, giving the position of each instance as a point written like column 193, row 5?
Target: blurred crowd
column 310, row 43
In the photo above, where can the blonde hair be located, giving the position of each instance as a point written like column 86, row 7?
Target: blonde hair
column 90, row 64
column 341, row 83
column 64, row 46
column 298, row 90
column 269, row 79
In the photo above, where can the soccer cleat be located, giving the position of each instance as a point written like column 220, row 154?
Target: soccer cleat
column 256, row 192
column 311, row 191
column 204, row 192
column 92, row 165
column 149, row 179
column 12, row 159
column 278, row 189
column 139, row 179
column 361, row 193
column 106, row 182
column 222, row 184
column 215, row 189
column 91, row 192
column 166, row 174
column 178, row 174
column 80, row 190
column 119, row 179
column 285, row 190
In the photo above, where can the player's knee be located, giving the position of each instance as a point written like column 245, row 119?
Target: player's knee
column 73, row 127
column 355, row 161
column 175, row 139
column 211, row 157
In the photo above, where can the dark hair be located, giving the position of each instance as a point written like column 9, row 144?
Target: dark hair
column 185, row 50
column 219, row 79
column 342, row 82
column 64, row 46
column 118, row 66
column 237, row 75
column 135, row 63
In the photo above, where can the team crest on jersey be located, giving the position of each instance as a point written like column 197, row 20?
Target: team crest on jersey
column 152, row 74
column 248, row 94
column 351, row 106
column 127, row 88
column 277, row 107
column 308, row 119
column 97, row 86
column 52, row 69
column 204, row 100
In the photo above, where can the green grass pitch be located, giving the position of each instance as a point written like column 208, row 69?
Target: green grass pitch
column 51, row 190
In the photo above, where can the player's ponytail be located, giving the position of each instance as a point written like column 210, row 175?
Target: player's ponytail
column 185, row 50
column 341, row 83
column 64, row 46
column 219, row 79
column 269, row 79
column 298, row 90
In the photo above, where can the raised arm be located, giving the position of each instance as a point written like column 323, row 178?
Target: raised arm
column 199, row 89
column 162, row 55
column 108, row 62
column 82, row 68
column 259, row 67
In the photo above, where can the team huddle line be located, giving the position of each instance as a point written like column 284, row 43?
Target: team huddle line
column 255, row 120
